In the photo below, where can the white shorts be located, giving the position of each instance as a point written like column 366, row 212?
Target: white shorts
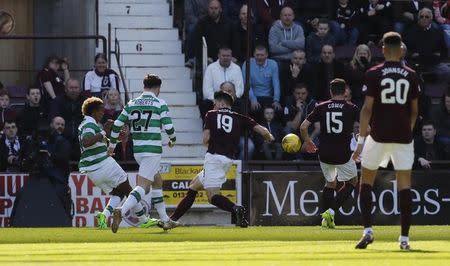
column 214, row 170
column 148, row 166
column 109, row 176
column 376, row 154
column 344, row 172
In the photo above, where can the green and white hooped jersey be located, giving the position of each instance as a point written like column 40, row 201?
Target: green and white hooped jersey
column 147, row 115
column 91, row 157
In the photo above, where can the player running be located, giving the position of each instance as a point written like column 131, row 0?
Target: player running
column 102, row 169
column 147, row 114
column 391, row 92
column 221, row 133
column 337, row 118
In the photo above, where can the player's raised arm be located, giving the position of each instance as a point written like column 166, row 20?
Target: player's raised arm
column 167, row 124
column 264, row 132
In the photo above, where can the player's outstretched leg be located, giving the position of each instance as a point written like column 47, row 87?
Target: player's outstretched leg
column 225, row 204
column 186, row 203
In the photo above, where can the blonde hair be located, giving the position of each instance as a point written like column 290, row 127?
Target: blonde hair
column 355, row 61
column 119, row 106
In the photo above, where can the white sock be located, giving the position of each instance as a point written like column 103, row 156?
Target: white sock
column 134, row 198
column 113, row 202
column 139, row 211
column 331, row 211
column 160, row 206
column 368, row 230
column 403, row 239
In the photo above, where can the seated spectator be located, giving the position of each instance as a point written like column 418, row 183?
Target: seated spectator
column 325, row 71
column 360, row 63
column 426, row 47
column 427, row 148
column 308, row 12
column 32, row 114
column 406, row 13
column 10, row 145
column 100, row 79
column 375, row 20
column 48, row 80
column 68, row 106
column 268, row 11
column 285, row 36
column 113, row 105
column 193, row 11
column 218, row 72
column 441, row 10
column 442, row 120
column 346, row 15
column 60, row 149
column 298, row 107
column 217, row 31
column 355, row 134
column 6, row 113
column 316, row 40
column 277, row 131
column 264, row 82
column 299, row 72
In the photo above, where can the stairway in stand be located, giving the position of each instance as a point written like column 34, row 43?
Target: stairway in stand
column 150, row 44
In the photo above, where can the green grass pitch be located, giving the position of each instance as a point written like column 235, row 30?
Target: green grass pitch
column 221, row 246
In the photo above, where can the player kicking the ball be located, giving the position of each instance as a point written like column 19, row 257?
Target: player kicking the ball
column 221, row 133
column 391, row 92
column 102, row 169
column 337, row 118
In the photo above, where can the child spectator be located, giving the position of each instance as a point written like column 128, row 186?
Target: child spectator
column 276, row 129
column 6, row 113
column 113, row 105
column 316, row 40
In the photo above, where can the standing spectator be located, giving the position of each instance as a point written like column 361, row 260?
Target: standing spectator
column 426, row 46
column 218, row 72
column 442, row 119
column 33, row 113
column 264, row 81
column 216, row 29
column 346, row 15
column 442, row 16
column 406, row 13
column 268, row 11
column 299, row 72
column 316, row 40
column 6, row 113
column 427, row 148
column 68, row 106
column 375, row 20
column 48, row 80
column 360, row 63
column 193, row 11
column 100, row 79
column 285, row 36
column 326, row 70
column 10, row 146
column 59, row 149
column 276, row 130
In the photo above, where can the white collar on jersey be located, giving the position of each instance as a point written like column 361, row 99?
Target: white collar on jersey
column 90, row 119
column 149, row 93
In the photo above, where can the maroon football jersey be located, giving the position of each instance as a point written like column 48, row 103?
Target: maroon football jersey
column 226, row 128
column 336, row 118
column 392, row 85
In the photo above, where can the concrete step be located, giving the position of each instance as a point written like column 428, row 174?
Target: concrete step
column 151, row 60
column 168, row 85
column 173, row 99
column 133, row 9
column 162, row 72
column 188, row 124
column 150, row 47
column 144, row 34
column 184, row 111
column 158, row 22
column 134, row 1
column 184, row 151
column 186, row 138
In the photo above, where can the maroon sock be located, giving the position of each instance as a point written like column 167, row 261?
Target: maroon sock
column 184, row 205
column 343, row 194
column 222, row 203
column 365, row 197
column 328, row 199
column 405, row 210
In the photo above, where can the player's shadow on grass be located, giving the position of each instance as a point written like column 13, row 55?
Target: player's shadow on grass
column 406, row 252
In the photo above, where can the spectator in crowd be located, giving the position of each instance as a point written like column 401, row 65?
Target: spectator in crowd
column 6, row 113
column 68, row 106
column 426, row 46
column 406, row 13
column 193, row 11
column 427, row 148
column 216, row 29
column 360, row 63
column 231, row 8
column 59, row 148
column 442, row 119
column 298, row 107
column 101, row 79
column 48, row 80
column 10, row 145
column 441, row 10
column 268, row 11
column 348, row 96
column 113, row 105
column 355, row 134
column 32, row 114
column 276, row 129
column 326, row 70
column 264, row 81
column 285, row 36
column 309, row 12
column 316, row 40
column 218, row 72
column 346, row 15
column 299, row 72
column 375, row 20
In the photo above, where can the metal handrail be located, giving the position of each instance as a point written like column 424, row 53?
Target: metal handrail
column 204, row 55
column 97, row 10
column 116, row 53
